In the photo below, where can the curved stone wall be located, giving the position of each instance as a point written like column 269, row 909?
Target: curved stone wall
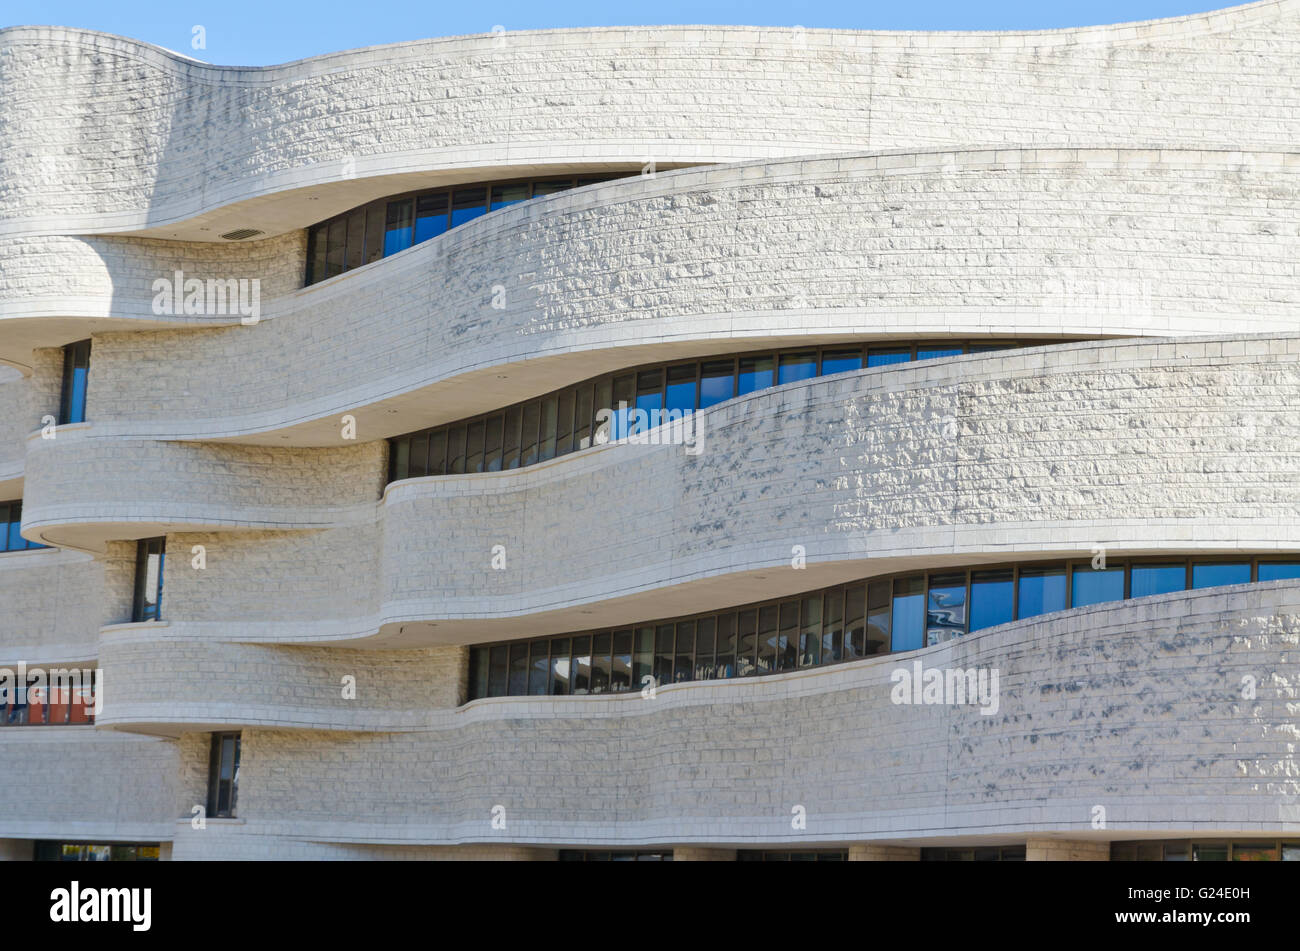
column 1135, row 181
column 52, row 606
column 137, row 125
column 1045, row 451
column 1030, row 243
column 724, row 762
column 144, row 488
column 79, row 783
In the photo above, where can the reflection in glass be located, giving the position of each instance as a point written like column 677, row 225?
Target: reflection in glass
column 704, row 649
column 725, row 666
column 601, row 645
column 787, row 636
column 946, row 611
column 810, row 631
column 560, row 666
column 620, row 671
column 581, row 665
column 663, row 654
column 855, row 622
column 747, row 630
column 833, row 625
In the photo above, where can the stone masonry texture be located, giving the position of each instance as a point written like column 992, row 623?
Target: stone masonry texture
column 1119, row 202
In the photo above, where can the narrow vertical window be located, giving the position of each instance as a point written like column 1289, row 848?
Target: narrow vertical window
column 430, row 216
column 149, row 555
column 76, row 370
column 223, row 776
column 397, row 229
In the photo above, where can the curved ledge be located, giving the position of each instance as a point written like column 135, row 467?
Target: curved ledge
column 55, row 289
column 433, row 107
column 1081, row 702
column 95, row 785
column 1048, row 452
column 315, row 688
column 1021, row 243
column 52, row 601
column 148, row 488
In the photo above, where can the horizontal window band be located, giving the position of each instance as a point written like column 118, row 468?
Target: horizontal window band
column 884, row 615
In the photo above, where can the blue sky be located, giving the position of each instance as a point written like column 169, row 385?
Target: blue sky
column 248, row 33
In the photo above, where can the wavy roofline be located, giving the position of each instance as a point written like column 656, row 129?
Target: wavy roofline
column 1209, row 21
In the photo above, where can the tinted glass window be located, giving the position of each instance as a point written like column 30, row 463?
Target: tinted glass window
column 1089, row 586
column 797, row 366
column 397, row 231
column 504, row 195
column 717, row 382
column 909, row 613
column 356, row 241
column 880, row 358
column 1211, row 576
column 679, row 394
column 1042, row 590
column 581, row 665
column 560, row 666
column 430, row 216
column 336, row 245
column 946, row 611
column 1157, row 579
column 620, row 672
column 747, row 641
column 1278, row 570
column 841, row 361
column 878, row 621
column 643, row 656
column 929, row 353
column 519, row 669
column 539, row 668
column 810, row 632
column 755, row 373
column 684, row 664
column 725, row 665
column 467, row 204
column 705, row 642
column 855, row 621
column 601, row 645
column 76, row 370
column 991, row 598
